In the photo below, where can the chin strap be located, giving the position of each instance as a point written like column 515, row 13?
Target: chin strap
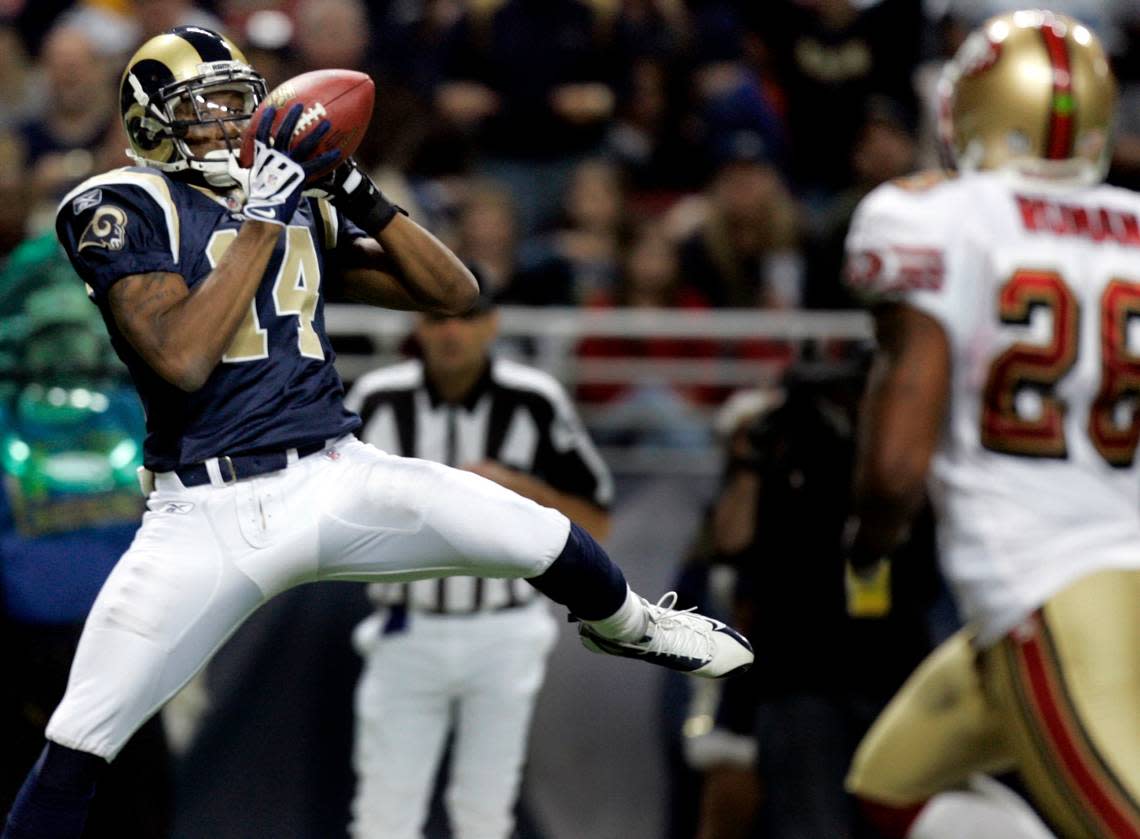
column 217, row 176
column 232, row 176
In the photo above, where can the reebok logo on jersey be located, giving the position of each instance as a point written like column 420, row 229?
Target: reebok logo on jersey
column 87, row 200
column 178, row 507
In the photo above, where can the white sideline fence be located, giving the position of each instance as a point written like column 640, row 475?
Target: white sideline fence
column 548, row 337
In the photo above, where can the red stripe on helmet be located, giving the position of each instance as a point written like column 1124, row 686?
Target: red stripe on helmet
column 1060, row 143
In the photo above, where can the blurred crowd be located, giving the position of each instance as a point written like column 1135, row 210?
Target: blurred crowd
column 679, row 153
column 684, row 154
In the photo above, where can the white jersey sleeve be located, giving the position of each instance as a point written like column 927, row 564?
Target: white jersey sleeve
column 901, row 246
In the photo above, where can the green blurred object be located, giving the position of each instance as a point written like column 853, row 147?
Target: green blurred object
column 70, row 440
column 49, row 329
column 35, row 264
column 71, row 427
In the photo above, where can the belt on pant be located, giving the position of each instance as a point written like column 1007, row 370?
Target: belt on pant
column 235, row 467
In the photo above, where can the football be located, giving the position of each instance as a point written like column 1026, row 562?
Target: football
column 343, row 97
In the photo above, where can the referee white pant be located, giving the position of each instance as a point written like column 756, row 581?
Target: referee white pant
column 207, row 556
column 478, row 673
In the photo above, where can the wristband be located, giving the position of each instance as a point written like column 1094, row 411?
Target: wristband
column 366, row 205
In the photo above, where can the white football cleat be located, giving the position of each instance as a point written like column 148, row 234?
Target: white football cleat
column 680, row 640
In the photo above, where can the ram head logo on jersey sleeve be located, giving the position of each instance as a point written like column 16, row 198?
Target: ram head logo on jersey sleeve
column 107, row 229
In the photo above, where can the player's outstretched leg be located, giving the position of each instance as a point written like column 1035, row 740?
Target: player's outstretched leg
column 56, row 795
column 678, row 639
column 617, row 621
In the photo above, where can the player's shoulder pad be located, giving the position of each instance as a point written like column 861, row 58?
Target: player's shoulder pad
column 898, row 237
column 336, row 229
column 913, row 206
column 96, row 213
column 329, row 219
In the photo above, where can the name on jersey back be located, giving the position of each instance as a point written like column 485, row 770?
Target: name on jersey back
column 1098, row 224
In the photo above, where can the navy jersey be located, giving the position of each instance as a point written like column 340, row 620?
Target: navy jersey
column 276, row 386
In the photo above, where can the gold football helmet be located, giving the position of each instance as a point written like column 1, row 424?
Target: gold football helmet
column 166, row 88
column 1030, row 91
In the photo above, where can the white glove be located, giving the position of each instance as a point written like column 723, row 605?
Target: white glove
column 275, row 181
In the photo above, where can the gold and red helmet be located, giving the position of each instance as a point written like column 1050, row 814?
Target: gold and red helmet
column 1030, row 91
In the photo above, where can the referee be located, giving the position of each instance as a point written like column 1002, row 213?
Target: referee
column 462, row 652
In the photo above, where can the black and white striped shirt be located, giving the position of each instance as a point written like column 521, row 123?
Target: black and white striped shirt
column 516, row 415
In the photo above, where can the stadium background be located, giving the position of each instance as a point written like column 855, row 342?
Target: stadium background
column 666, row 183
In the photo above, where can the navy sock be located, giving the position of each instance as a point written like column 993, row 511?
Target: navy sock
column 55, row 797
column 583, row 578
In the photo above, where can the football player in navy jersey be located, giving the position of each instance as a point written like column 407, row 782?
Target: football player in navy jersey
column 211, row 280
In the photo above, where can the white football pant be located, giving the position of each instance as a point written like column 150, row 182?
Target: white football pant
column 480, row 672
column 206, row 557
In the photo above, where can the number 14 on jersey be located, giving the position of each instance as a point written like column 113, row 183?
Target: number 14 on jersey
column 295, row 292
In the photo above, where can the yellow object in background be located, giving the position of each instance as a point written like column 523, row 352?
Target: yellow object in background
column 869, row 592
column 119, row 7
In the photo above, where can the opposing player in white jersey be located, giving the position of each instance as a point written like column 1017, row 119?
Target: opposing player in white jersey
column 1007, row 308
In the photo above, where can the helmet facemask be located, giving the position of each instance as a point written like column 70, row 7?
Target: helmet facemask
column 161, row 124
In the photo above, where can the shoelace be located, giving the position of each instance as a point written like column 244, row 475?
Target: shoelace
column 678, row 632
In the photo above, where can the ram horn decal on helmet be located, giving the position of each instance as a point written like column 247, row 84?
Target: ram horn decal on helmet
column 164, row 93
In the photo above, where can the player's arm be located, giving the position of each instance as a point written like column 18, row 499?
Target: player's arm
column 182, row 334
column 903, row 412
column 406, row 267
column 402, row 266
column 582, row 511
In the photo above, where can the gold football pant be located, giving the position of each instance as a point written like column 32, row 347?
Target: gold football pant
column 1057, row 699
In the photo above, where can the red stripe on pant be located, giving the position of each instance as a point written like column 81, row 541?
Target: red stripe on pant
column 1063, row 733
